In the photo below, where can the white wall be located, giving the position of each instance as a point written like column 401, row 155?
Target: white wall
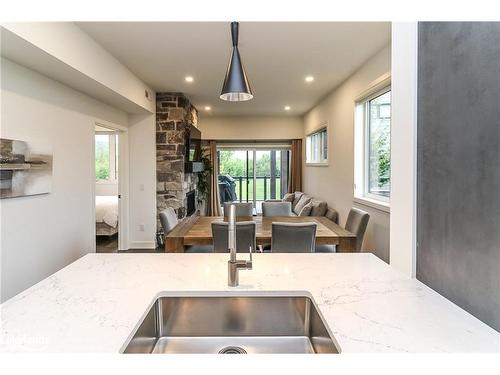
column 250, row 127
column 404, row 147
column 41, row 234
column 335, row 183
column 142, row 177
column 67, row 43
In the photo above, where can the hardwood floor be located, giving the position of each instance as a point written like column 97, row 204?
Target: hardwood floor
column 142, row 251
column 105, row 244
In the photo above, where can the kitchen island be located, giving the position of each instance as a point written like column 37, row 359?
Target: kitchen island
column 95, row 303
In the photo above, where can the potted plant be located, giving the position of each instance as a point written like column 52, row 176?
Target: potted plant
column 203, row 185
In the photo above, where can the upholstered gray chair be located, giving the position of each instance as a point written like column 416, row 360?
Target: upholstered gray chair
column 276, row 209
column 199, row 249
column 325, row 249
column 245, row 236
column 356, row 223
column 293, row 237
column 242, row 208
column 168, row 220
column 333, row 215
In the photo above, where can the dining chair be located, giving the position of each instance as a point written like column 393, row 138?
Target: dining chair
column 242, row 208
column 293, row 237
column 276, row 209
column 168, row 220
column 356, row 223
column 332, row 215
column 245, row 236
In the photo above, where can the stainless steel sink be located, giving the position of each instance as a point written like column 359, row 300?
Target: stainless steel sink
column 232, row 325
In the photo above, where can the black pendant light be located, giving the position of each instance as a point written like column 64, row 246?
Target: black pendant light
column 236, row 87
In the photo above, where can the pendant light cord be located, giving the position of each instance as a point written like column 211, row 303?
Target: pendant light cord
column 234, row 33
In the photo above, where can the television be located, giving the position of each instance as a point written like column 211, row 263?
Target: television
column 193, row 150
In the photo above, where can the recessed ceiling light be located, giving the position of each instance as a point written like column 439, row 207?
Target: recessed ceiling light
column 208, row 108
column 287, row 108
column 189, row 79
column 309, row 78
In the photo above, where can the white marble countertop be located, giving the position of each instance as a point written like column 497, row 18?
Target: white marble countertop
column 94, row 304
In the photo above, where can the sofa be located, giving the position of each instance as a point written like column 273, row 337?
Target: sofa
column 305, row 205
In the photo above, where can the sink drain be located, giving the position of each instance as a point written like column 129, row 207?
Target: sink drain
column 232, row 350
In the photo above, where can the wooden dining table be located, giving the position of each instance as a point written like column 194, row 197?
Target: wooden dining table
column 197, row 230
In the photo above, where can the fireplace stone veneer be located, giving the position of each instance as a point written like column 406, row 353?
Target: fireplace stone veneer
column 174, row 115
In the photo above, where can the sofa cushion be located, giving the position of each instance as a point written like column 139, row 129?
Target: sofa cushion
column 332, row 215
column 304, row 199
column 306, row 209
column 318, row 207
column 296, row 197
column 289, row 197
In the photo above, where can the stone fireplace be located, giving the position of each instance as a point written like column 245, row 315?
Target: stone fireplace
column 174, row 115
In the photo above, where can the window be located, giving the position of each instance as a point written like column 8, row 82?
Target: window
column 253, row 173
column 106, row 157
column 317, row 147
column 373, row 147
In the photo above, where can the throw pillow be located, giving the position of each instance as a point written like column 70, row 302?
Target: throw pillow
column 318, row 207
column 306, row 210
column 304, row 199
column 296, row 197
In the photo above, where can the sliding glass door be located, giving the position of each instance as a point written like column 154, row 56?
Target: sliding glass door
column 253, row 174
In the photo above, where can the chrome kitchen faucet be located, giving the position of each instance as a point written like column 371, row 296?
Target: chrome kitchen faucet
column 233, row 264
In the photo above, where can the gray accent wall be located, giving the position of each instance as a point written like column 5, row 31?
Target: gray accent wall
column 458, row 198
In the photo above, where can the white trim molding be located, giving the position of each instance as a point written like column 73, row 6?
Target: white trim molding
column 373, row 203
column 142, row 245
column 377, row 85
column 403, row 222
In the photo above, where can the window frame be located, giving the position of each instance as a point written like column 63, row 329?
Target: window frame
column 323, row 150
column 113, row 159
column 362, row 192
column 253, row 148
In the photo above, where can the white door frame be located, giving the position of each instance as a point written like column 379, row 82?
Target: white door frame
column 123, row 182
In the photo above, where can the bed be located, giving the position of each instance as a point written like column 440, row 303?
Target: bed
column 106, row 215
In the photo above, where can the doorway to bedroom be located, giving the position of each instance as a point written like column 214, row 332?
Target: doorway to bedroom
column 107, row 192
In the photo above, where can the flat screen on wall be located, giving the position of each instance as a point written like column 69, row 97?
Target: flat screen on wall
column 193, row 144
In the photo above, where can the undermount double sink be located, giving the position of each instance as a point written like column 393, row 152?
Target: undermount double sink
column 232, row 324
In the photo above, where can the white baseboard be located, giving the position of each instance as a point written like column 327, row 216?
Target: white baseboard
column 142, row 245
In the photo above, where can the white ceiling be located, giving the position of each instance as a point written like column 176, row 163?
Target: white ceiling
column 277, row 56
